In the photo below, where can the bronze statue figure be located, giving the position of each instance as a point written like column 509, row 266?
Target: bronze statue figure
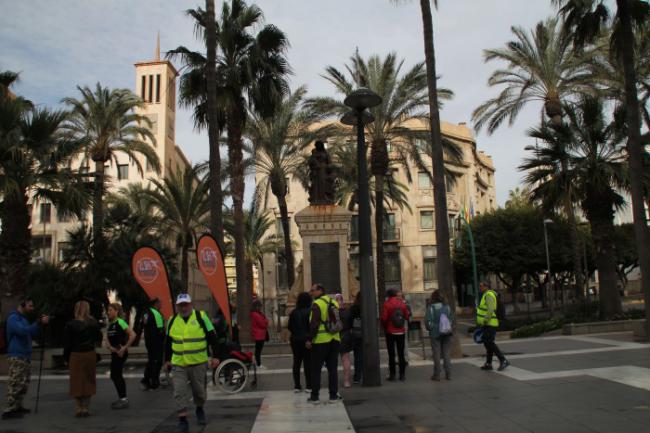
column 322, row 176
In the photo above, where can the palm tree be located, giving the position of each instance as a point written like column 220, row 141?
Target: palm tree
column 106, row 123
column 35, row 156
column 252, row 71
column 182, row 204
column 278, row 144
column 583, row 20
column 542, row 67
column 404, row 98
column 586, row 153
column 518, row 198
column 198, row 89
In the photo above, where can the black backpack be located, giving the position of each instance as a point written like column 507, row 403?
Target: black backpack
column 501, row 307
column 397, row 318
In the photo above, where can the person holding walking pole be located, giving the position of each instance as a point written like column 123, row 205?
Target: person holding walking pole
column 20, row 333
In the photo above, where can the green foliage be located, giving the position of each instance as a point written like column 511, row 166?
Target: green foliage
column 539, row 328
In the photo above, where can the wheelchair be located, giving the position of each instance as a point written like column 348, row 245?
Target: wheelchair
column 234, row 372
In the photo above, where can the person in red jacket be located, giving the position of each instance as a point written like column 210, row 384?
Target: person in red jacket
column 259, row 330
column 394, row 318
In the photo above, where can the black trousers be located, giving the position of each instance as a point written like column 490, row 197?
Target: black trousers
column 259, row 345
column 117, row 367
column 491, row 348
column 393, row 341
column 327, row 353
column 151, row 377
column 301, row 356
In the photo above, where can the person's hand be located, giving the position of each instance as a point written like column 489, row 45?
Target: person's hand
column 45, row 319
column 113, row 349
column 308, row 344
column 167, row 366
column 121, row 351
column 213, row 363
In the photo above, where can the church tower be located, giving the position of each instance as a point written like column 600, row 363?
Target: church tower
column 156, row 85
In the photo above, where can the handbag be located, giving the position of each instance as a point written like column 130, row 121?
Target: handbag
column 267, row 337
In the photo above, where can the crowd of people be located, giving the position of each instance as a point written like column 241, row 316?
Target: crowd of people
column 323, row 330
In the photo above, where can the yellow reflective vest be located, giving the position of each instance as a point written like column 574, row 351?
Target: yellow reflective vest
column 189, row 339
column 483, row 317
column 323, row 336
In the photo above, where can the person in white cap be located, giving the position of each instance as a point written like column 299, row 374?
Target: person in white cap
column 189, row 333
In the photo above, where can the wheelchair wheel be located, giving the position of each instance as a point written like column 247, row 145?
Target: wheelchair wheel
column 232, row 376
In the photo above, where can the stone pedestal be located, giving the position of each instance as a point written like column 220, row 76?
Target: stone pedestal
column 324, row 231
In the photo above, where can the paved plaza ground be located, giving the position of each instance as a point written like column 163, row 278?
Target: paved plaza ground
column 596, row 383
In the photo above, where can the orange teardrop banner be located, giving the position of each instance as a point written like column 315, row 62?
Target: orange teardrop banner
column 149, row 271
column 212, row 266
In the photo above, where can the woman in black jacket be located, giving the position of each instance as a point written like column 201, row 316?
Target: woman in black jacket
column 81, row 336
column 299, row 328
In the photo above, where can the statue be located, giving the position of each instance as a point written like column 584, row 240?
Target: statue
column 322, row 177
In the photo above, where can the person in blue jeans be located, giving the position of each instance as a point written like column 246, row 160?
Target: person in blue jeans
column 20, row 333
column 440, row 338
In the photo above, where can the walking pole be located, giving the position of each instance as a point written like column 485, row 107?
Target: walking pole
column 40, row 369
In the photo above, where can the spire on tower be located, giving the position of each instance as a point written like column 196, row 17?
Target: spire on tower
column 157, row 54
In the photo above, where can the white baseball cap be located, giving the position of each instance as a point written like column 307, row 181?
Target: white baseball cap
column 183, row 298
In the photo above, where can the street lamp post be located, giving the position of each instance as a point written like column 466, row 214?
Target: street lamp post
column 548, row 263
column 359, row 100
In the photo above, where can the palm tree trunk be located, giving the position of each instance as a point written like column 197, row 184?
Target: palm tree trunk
column 216, row 194
column 439, row 193
column 443, row 262
column 610, row 299
column 235, row 157
column 15, row 239
column 635, row 153
column 98, row 208
column 184, row 267
column 379, row 237
column 288, row 252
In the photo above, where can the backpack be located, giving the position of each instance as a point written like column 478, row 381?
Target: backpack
column 356, row 330
column 397, row 318
column 444, row 324
column 333, row 324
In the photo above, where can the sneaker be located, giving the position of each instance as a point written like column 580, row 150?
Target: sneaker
column 183, row 426
column 298, row 390
column 12, row 414
column 336, row 398
column 122, row 403
column 307, row 390
column 144, row 387
column 487, row 367
column 402, row 377
column 435, row 377
column 200, row 416
column 313, row 401
column 356, row 382
column 503, row 365
column 261, row 367
column 390, row 378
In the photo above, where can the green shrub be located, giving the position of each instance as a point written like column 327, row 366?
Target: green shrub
column 538, row 328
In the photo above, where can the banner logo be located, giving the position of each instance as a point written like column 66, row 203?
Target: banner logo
column 209, row 260
column 147, row 269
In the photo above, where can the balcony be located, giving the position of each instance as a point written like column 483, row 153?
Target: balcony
column 391, row 234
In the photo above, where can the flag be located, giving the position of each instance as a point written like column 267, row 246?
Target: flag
column 149, row 271
column 212, row 266
column 471, row 210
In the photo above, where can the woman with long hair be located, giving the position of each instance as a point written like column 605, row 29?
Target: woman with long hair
column 299, row 328
column 259, row 330
column 80, row 337
column 439, row 319
column 119, row 337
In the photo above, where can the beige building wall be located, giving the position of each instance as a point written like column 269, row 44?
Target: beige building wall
column 410, row 243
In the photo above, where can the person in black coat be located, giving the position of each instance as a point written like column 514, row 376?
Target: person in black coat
column 299, row 328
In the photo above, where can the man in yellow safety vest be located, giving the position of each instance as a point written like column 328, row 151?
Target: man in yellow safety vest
column 189, row 333
column 323, row 341
column 486, row 318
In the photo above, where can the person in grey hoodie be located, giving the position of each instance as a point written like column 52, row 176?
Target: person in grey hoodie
column 440, row 333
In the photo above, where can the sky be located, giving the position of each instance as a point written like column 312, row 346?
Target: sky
column 57, row 45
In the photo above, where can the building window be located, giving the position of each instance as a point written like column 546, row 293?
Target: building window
column 392, row 267
column 62, row 217
column 429, row 264
column 63, row 249
column 354, row 229
column 424, row 182
column 389, row 146
column 150, row 94
column 449, row 186
column 452, row 225
column 389, row 229
column 143, row 84
column 42, row 248
column 123, row 171
column 426, row 220
column 421, row 145
column 158, row 88
column 46, row 213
